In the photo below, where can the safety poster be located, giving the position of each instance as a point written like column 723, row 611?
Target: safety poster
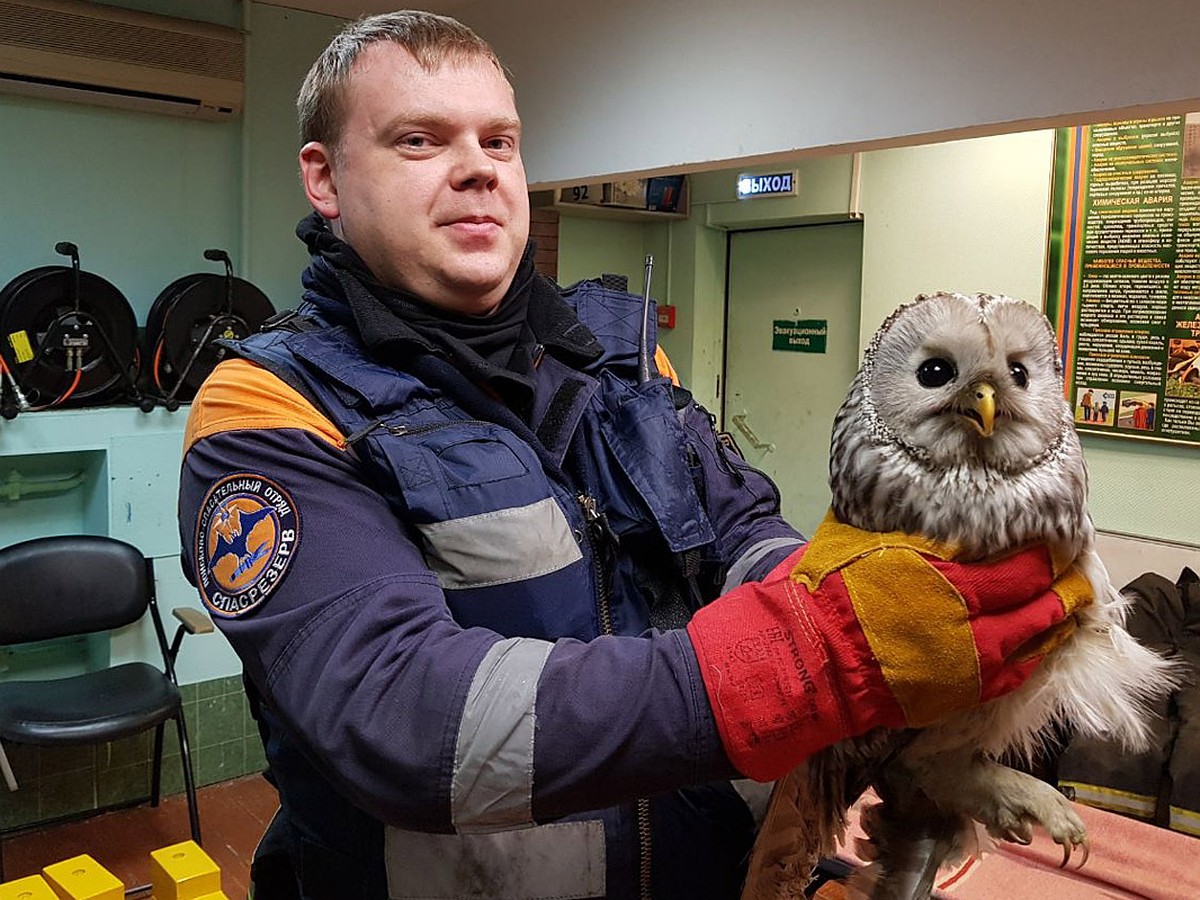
column 1123, row 275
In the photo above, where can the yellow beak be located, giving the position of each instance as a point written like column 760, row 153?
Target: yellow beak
column 983, row 403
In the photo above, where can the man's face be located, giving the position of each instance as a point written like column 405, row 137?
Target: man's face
column 428, row 184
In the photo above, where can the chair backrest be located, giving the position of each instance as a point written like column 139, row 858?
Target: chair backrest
column 54, row 587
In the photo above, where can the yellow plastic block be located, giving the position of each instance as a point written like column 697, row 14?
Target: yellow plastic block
column 82, row 878
column 32, row 888
column 184, row 872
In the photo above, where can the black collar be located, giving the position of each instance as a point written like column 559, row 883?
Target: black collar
column 497, row 351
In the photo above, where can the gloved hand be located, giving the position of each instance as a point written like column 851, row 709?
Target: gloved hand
column 859, row 630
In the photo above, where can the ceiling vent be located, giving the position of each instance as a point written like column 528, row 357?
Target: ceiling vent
column 84, row 52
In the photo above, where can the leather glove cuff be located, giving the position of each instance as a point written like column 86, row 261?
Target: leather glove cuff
column 784, row 678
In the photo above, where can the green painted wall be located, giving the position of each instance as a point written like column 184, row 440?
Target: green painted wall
column 282, row 43
column 143, row 196
column 972, row 216
column 689, row 268
column 960, row 216
column 696, row 265
column 964, row 215
column 588, row 247
column 823, row 195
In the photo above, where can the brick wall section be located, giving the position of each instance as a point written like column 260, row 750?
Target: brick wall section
column 543, row 228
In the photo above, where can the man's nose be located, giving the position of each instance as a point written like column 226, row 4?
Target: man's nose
column 473, row 168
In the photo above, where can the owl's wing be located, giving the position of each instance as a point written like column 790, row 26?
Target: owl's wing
column 788, row 847
column 806, row 819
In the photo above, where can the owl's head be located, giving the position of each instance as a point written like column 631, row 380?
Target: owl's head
column 967, row 379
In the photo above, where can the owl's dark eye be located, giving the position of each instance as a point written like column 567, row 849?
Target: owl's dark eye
column 1019, row 375
column 934, row 373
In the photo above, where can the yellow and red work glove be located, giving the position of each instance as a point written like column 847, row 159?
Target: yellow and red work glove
column 858, row 630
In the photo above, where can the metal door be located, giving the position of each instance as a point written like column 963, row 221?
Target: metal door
column 780, row 398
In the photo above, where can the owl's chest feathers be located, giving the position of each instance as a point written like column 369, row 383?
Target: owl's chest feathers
column 983, row 511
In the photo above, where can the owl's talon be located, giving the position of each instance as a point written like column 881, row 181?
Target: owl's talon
column 1086, row 849
column 1066, row 855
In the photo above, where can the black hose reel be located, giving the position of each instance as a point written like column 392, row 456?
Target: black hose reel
column 68, row 338
column 188, row 317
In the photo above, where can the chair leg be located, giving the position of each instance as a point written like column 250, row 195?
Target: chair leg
column 11, row 781
column 12, row 786
column 156, row 773
column 189, row 782
column 9, row 778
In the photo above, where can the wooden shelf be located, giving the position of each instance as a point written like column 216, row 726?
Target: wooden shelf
column 619, row 213
column 566, row 201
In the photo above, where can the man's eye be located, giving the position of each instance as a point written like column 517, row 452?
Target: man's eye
column 499, row 143
column 414, row 140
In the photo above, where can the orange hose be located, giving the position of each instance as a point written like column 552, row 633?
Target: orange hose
column 157, row 359
column 71, row 389
column 64, row 397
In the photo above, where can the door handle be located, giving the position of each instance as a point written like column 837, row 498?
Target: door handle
column 755, row 441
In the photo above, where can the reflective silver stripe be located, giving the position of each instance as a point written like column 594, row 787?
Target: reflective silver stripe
column 1126, row 802
column 562, row 861
column 500, row 547
column 1185, row 820
column 492, row 785
column 748, row 560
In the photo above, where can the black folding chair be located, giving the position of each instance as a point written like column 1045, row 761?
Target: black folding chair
column 55, row 587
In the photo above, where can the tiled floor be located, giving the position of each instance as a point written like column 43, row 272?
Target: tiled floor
column 233, row 815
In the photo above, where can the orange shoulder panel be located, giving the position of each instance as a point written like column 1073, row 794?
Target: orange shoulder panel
column 240, row 395
column 664, row 365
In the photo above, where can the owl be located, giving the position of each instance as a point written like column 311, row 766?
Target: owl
column 956, row 428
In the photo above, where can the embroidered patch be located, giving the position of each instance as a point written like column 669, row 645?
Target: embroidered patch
column 246, row 536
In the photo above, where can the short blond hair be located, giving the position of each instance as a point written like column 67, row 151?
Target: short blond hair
column 430, row 38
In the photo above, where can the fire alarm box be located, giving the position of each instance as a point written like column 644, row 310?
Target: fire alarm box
column 666, row 317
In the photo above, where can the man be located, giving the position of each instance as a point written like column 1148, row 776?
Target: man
column 438, row 512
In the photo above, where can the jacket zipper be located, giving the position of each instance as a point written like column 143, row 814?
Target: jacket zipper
column 356, row 436
column 600, row 538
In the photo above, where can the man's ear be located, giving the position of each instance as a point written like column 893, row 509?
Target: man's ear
column 316, row 171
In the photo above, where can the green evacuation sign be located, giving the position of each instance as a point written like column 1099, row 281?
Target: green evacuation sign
column 805, row 336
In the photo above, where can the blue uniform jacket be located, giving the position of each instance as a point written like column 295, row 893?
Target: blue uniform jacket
column 464, row 628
